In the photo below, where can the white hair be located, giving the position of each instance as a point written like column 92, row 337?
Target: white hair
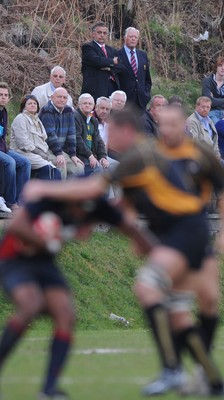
column 58, row 67
column 102, row 98
column 85, row 96
column 118, row 92
column 157, row 96
column 130, row 28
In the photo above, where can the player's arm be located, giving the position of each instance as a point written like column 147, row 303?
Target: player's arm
column 21, row 227
column 123, row 218
column 71, row 190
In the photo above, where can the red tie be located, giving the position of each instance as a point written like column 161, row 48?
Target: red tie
column 104, row 50
column 133, row 63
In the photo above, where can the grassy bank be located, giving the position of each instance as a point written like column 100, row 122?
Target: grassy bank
column 101, row 273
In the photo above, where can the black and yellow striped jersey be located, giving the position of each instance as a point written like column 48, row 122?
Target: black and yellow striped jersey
column 161, row 181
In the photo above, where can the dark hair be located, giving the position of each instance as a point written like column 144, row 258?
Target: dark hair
column 4, row 85
column 127, row 116
column 24, row 101
column 175, row 99
column 218, row 62
column 99, row 24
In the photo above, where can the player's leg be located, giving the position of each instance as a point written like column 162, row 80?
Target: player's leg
column 205, row 284
column 154, row 282
column 208, row 295
column 29, row 302
column 59, row 307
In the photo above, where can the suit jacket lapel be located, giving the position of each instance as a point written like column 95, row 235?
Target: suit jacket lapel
column 98, row 49
column 138, row 54
column 126, row 61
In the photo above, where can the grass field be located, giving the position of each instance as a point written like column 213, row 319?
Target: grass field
column 95, row 376
column 101, row 273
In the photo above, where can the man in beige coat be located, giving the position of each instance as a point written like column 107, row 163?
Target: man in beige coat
column 44, row 92
column 201, row 126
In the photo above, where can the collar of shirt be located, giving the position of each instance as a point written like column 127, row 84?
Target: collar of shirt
column 57, row 109
column 206, row 123
column 219, row 89
column 100, row 45
column 52, row 87
column 128, row 52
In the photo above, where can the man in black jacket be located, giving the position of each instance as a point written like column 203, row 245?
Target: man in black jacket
column 99, row 63
column 150, row 117
column 90, row 146
column 134, row 74
column 213, row 87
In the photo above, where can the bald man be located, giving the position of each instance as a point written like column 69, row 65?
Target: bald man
column 58, row 120
column 134, row 74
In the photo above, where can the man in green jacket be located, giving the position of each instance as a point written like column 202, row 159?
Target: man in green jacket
column 90, row 146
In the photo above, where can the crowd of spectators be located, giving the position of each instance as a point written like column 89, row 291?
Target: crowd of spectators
column 52, row 139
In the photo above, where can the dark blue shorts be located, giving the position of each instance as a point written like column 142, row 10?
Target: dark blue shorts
column 41, row 271
column 190, row 236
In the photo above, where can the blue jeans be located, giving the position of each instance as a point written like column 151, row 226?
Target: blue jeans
column 216, row 115
column 89, row 171
column 17, row 173
column 47, row 173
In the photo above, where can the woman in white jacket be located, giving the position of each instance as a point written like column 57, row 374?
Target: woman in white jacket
column 28, row 137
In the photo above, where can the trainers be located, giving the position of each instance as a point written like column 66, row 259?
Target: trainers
column 54, row 395
column 197, row 384
column 168, row 380
column 3, row 206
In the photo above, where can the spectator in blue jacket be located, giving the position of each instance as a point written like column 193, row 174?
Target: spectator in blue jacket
column 17, row 168
column 220, row 129
column 213, row 87
column 58, row 120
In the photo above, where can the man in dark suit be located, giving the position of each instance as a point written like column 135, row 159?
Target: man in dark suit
column 134, row 74
column 99, row 63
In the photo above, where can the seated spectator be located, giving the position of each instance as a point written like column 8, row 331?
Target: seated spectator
column 201, row 125
column 220, row 130
column 3, row 206
column 102, row 112
column 118, row 100
column 58, row 120
column 176, row 100
column 17, row 168
column 150, row 117
column 213, row 87
column 90, row 146
column 44, row 92
column 28, row 137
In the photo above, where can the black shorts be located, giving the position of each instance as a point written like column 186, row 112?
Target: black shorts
column 190, row 236
column 41, row 271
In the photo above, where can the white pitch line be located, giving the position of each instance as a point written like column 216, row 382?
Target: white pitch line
column 16, row 380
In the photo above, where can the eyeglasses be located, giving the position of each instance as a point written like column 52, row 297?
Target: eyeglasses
column 58, row 76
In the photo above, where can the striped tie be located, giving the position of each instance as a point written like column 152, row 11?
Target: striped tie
column 104, row 50
column 133, row 63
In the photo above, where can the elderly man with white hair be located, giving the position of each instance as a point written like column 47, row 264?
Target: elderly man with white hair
column 134, row 73
column 44, row 92
column 90, row 146
column 118, row 100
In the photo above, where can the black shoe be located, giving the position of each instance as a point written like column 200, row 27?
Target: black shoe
column 53, row 394
column 217, row 392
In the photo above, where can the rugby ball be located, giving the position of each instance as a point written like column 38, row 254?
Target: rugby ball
column 49, row 227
